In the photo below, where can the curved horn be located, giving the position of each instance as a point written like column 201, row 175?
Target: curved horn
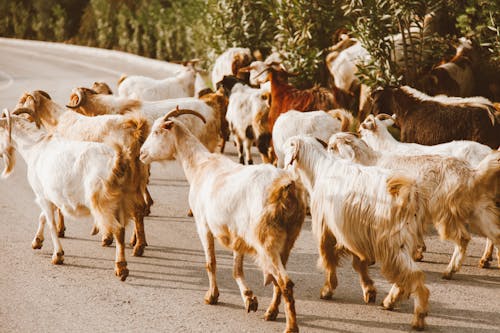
column 383, row 116
column 6, row 113
column 178, row 112
column 81, row 98
column 43, row 93
column 32, row 113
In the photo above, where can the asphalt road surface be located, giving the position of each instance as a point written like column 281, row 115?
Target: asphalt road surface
column 165, row 289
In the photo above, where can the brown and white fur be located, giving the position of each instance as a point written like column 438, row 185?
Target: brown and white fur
column 457, row 197
column 254, row 210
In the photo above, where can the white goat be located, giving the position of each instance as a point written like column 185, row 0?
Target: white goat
column 88, row 102
column 319, row 124
column 80, row 178
column 149, row 89
column 230, row 62
column 129, row 132
column 374, row 131
column 256, row 210
column 372, row 212
column 457, row 197
column 246, row 104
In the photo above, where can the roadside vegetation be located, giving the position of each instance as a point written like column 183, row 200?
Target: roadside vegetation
column 300, row 30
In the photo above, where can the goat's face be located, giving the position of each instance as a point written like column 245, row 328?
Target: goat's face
column 345, row 145
column 160, row 144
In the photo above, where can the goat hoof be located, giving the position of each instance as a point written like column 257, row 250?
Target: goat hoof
column 95, row 230
column 447, row 275
column 484, row 263
column 419, row 321
column 418, row 257
column 133, row 240
column 271, row 315
column 370, row 296
column 387, row 305
column 107, row 240
column 37, row 244
column 211, row 298
column 121, row 270
column 61, row 232
column 190, row 213
column 58, row 258
column 138, row 250
column 326, row 293
column 292, row 330
column 251, row 304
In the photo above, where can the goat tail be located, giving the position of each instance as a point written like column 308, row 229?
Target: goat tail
column 9, row 158
column 408, row 201
column 488, row 170
column 282, row 219
column 121, row 79
column 139, row 126
column 345, row 117
column 112, row 199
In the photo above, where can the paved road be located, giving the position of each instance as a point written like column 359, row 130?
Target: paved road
column 165, row 289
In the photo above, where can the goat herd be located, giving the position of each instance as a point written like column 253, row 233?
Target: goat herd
column 370, row 196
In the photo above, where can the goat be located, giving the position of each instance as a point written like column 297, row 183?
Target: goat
column 246, row 104
column 95, row 182
column 374, row 131
column 285, row 97
column 373, row 213
column 319, row 124
column 342, row 63
column 149, row 89
column 264, row 209
column 218, row 102
column 88, row 102
column 128, row 131
column 230, row 62
column 432, row 120
column 457, row 196
column 455, row 77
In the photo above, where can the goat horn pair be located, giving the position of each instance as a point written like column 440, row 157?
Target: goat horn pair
column 30, row 112
column 177, row 112
column 6, row 113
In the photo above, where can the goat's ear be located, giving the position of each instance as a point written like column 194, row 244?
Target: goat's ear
column 167, row 125
column 266, row 96
column 291, row 155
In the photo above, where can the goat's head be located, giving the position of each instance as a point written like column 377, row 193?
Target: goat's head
column 257, row 72
column 28, row 114
column 6, row 148
column 33, row 100
column 160, row 144
column 102, row 88
column 372, row 123
column 79, row 97
column 347, row 146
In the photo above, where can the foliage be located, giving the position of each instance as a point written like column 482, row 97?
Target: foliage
column 393, row 33
column 300, row 30
column 305, row 30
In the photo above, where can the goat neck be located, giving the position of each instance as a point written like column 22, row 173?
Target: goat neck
column 189, row 150
column 310, row 164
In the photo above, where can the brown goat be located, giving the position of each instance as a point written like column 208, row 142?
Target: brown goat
column 433, row 120
column 286, row 97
